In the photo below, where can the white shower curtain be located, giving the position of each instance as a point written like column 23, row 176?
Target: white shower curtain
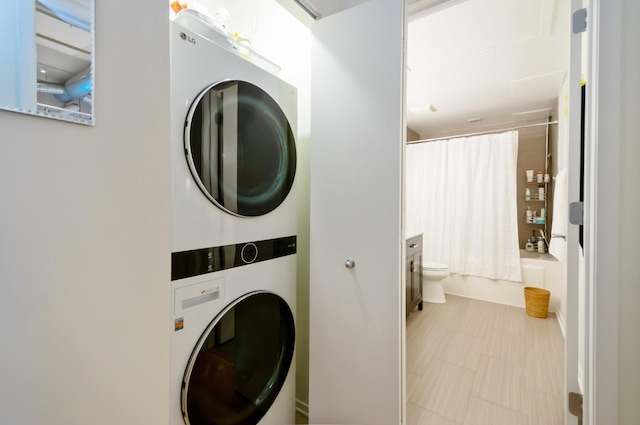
column 461, row 195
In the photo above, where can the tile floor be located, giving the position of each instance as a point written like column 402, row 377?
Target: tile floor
column 471, row 362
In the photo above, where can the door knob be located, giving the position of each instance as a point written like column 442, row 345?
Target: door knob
column 349, row 263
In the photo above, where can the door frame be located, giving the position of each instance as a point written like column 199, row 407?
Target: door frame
column 602, row 232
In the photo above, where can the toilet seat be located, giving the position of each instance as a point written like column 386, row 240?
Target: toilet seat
column 433, row 266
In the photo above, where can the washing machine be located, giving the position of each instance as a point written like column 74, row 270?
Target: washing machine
column 233, row 260
column 233, row 341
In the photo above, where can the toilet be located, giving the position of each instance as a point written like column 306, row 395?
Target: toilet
column 432, row 276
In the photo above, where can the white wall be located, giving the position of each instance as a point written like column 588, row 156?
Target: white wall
column 84, row 241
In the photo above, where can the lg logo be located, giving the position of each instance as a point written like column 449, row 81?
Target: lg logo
column 187, row 38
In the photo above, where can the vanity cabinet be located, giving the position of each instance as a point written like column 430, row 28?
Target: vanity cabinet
column 414, row 273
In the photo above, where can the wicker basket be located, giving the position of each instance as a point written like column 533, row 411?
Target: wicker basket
column 537, row 301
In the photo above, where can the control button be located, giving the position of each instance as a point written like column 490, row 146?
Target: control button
column 249, row 253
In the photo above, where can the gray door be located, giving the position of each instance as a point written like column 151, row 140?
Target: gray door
column 357, row 313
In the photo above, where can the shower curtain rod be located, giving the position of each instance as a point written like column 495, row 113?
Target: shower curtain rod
column 483, row 132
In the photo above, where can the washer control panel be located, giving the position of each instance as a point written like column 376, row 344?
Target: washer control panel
column 208, row 260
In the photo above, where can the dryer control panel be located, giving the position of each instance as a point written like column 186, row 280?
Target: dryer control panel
column 208, row 260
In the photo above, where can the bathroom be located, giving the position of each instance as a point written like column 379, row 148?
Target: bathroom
column 539, row 269
column 517, row 85
column 526, row 98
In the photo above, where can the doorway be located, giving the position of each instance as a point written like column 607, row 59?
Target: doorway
column 460, row 94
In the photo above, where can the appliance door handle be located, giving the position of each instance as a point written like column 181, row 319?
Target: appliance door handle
column 414, row 245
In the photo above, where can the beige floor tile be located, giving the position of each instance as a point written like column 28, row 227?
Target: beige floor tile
column 446, row 390
column 423, row 340
column 415, row 382
column 505, row 346
column 460, row 349
column 545, row 409
column 501, row 382
column 448, row 315
column 544, row 338
column 415, row 323
column 431, row 418
column 544, row 375
column 415, row 413
column 474, row 319
column 544, row 345
column 419, row 358
column 519, row 372
column 508, row 319
column 482, row 412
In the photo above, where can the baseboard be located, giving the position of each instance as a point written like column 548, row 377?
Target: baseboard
column 302, row 407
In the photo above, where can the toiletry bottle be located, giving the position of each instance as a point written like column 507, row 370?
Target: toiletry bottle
column 541, row 193
column 529, row 246
column 529, row 176
column 529, row 216
column 541, row 247
column 527, row 194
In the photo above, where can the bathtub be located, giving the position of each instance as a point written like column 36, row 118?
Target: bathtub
column 539, row 270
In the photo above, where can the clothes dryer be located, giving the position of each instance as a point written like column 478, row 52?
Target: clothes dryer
column 233, row 153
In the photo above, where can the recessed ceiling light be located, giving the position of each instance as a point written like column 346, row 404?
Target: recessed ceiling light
column 472, row 120
column 43, row 71
column 424, row 109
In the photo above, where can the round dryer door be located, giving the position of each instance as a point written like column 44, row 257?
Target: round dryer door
column 240, row 363
column 240, row 148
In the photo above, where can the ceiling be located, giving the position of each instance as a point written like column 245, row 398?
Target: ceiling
column 494, row 62
column 500, row 61
column 62, row 50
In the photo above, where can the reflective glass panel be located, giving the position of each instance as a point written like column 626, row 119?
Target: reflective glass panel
column 240, row 148
column 240, row 363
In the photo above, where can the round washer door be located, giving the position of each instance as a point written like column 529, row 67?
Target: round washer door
column 240, row 362
column 240, row 148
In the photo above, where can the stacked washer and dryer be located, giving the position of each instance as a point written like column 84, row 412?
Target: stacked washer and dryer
column 233, row 262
